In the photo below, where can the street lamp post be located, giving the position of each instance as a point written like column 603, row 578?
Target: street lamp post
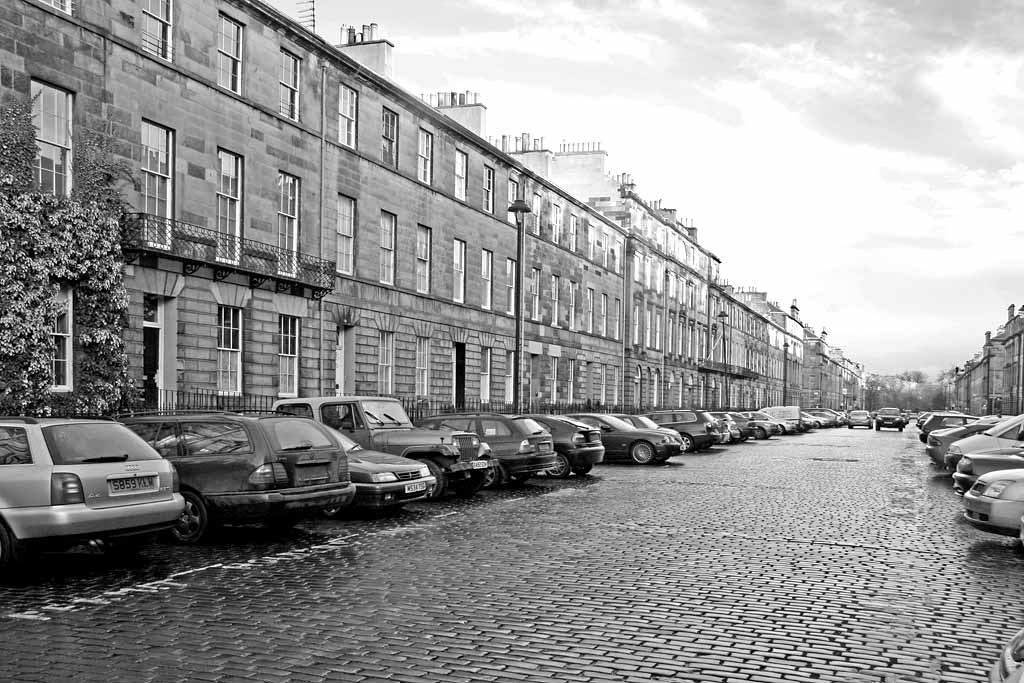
column 785, row 372
column 519, row 208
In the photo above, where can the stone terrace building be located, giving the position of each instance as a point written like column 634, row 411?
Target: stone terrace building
column 304, row 226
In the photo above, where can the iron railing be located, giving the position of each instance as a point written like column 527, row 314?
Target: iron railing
column 225, row 253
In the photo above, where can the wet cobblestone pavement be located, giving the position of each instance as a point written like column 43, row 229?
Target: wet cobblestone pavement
column 832, row 556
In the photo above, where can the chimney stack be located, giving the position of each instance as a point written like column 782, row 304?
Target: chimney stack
column 367, row 48
column 1010, row 312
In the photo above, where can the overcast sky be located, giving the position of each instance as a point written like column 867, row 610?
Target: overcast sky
column 860, row 156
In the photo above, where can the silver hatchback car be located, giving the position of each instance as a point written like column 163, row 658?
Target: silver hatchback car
column 64, row 481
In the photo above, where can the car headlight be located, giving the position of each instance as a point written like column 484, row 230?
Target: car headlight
column 485, row 448
column 424, row 471
column 383, row 477
column 995, row 488
column 964, row 465
column 954, row 450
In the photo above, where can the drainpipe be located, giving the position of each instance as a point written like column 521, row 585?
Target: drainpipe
column 323, row 207
column 627, row 330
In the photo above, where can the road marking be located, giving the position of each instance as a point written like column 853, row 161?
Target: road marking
column 28, row 616
column 447, row 514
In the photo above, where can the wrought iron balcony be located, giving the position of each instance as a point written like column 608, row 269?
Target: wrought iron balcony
column 197, row 246
column 726, row 369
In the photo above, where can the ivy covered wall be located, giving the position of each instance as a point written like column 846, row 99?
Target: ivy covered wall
column 49, row 242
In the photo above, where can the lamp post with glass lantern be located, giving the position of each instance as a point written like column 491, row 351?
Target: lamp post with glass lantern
column 519, row 208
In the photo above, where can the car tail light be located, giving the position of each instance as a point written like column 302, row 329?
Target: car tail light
column 269, row 475
column 525, row 446
column 578, row 439
column 66, row 489
column 710, row 428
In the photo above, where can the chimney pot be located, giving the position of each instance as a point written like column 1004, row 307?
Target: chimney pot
column 1010, row 312
column 373, row 31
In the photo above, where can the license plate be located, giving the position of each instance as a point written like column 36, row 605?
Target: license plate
column 311, row 475
column 418, row 486
column 132, row 484
column 480, row 464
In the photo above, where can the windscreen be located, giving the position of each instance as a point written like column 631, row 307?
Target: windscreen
column 387, row 413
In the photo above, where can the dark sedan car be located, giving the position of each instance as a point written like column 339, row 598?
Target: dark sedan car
column 939, row 440
column 644, row 422
column 697, row 428
column 942, row 421
column 890, row 418
column 521, row 446
column 623, row 441
column 578, row 446
column 273, row 469
column 383, row 480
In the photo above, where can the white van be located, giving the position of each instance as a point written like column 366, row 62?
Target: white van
column 788, row 415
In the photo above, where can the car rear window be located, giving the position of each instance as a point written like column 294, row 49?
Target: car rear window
column 214, row 437
column 74, row 444
column 529, row 425
column 888, row 411
column 859, row 413
column 298, row 434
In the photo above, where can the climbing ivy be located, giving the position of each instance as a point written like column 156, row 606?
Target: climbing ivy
column 48, row 242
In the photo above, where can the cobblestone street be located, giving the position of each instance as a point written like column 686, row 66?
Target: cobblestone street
column 831, row 556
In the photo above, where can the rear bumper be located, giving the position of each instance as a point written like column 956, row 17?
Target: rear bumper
column 937, row 454
column 257, row 505
column 587, row 455
column 79, row 521
column 527, row 464
column 704, row 440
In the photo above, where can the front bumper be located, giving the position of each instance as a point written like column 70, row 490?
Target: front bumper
column 259, row 505
column 80, row 521
column 379, row 496
column 993, row 515
column 889, row 424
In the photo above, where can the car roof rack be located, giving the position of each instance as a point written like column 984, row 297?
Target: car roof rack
column 19, row 418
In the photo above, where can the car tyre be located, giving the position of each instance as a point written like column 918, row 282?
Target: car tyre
column 562, row 467
column 495, row 476
column 194, row 519
column 877, row 428
column 687, row 443
column 582, row 470
column 901, row 429
column 761, row 433
column 642, row 453
column 12, row 550
column 440, row 478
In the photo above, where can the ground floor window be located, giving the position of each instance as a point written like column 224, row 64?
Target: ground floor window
column 229, row 349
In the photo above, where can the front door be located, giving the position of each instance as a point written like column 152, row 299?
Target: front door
column 459, row 384
column 151, row 327
column 343, row 362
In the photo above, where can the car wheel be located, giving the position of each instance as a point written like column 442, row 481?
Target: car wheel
column 194, row 519
column 562, row 467
column 849, row 426
column 440, row 478
column 901, row 429
column 495, row 476
column 687, row 443
column 877, row 428
column 761, row 433
column 641, row 452
column 11, row 549
column 582, row 470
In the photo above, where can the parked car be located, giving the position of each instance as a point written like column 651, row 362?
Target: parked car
column 748, row 430
column 890, row 418
column 273, row 469
column 809, row 421
column 922, row 417
column 859, row 418
column 995, row 503
column 1009, row 667
column 731, row 426
column 939, row 440
column 623, row 441
column 765, row 426
column 64, row 481
column 790, row 415
column 644, row 422
column 912, row 418
column 1005, row 434
column 456, row 459
column 520, row 446
column 827, row 418
column 697, row 428
column 382, row 480
column 578, row 446
column 941, row 421
column 973, row 465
